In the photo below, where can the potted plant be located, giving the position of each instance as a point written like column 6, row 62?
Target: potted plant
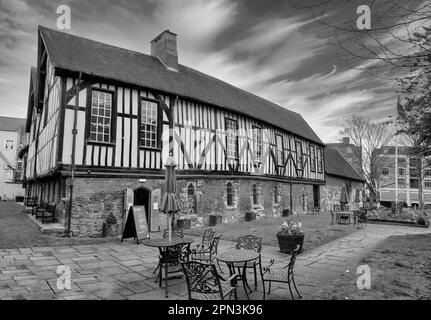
column 110, row 226
column 290, row 235
column 250, row 216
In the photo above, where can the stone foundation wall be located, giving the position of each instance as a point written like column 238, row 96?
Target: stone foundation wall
column 95, row 198
column 331, row 192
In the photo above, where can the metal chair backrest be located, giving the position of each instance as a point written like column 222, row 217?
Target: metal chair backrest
column 176, row 233
column 293, row 259
column 201, row 278
column 175, row 254
column 208, row 236
column 214, row 245
column 249, row 242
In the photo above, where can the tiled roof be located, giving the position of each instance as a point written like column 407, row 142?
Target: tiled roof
column 78, row 54
column 337, row 165
column 11, row 124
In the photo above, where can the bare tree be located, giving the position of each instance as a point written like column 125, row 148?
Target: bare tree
column 388, row 44
column 369, row 137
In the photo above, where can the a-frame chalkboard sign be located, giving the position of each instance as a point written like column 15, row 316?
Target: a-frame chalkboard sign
column 136, row 224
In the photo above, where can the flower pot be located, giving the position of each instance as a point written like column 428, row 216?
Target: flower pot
column 184, row 223
column 110, row 230
column 212, row 220
column 288, row 243
column 249, row 216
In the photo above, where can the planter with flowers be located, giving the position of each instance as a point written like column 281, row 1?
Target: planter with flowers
column 290, row 235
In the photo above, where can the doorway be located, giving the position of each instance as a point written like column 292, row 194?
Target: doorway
column 316, row 196
column 141, row 197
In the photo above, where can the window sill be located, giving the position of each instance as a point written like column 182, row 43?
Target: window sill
column 150, row 149
column 96, row 143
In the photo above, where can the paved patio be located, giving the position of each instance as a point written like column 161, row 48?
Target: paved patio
column 124, row 270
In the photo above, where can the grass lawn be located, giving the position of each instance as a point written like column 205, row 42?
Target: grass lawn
column 317, row 230
column 400, row 269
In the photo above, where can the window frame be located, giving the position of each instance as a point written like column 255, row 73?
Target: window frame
column 159, row 124
column 255, row 143
column 277, row 194
column 403, row 185
column 113, row 116
column 319, row 160
column 236, row 157
column 300, row 154
column 385, row 169
column 229, row 194
column 255, row 195
column 278, row 151
column 313, row 167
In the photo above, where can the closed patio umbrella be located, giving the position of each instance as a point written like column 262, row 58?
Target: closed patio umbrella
column 169, row 203
column 358, row 196
column 343, row 199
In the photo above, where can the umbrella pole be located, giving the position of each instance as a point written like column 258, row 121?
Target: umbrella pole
column 170, row 227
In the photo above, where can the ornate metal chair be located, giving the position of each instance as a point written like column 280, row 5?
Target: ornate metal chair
column 284, row 275
column 204, row 283
column 176, row 233
column 209, row 254
column 252, row 243
column 207, row 238
column 170, row 260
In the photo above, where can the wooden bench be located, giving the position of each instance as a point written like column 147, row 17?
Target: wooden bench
column 46, row 212
column 313, row 210
column 30, row 202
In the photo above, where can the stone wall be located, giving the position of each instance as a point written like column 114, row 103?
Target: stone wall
column 95, row 198
column 331, row 192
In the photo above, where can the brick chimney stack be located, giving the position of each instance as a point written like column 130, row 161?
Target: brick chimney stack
column 164, row 46
column 346, row 140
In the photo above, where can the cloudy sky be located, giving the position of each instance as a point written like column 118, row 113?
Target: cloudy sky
column 267, row 47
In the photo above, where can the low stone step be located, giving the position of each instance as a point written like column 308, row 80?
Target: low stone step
column 47, row 228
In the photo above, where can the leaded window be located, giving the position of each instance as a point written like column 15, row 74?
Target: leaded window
column 148, row 126
column 101, row 112
column 313, row 158
column 280, row 150
column 257, row 143
column 229, row 194
column 231, row 139
column 299, row 162
column 255, row 194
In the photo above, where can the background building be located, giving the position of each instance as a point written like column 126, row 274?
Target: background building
column 235, row 152
column 12, row 139
column 350, row 152
column 400, row 176
column 340, row 173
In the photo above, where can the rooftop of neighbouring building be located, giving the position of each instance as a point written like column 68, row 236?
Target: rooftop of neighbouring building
column 337, row 165
column 11, row 124
column 161, row 71
column 345, row 141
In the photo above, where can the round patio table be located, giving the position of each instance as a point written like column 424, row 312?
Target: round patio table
column 234, row 257
column 163, row 244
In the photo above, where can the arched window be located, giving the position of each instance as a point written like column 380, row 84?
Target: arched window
column 229, row 194
column 255, row 195
column 276, row 195
column 191, row 189
column 191, row 197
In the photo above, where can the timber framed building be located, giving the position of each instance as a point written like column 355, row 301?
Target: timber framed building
column 115, row 116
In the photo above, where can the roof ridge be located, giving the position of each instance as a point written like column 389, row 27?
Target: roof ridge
column 189, row 83
column 184, row 66
column 346, row 161
column 97, row 41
